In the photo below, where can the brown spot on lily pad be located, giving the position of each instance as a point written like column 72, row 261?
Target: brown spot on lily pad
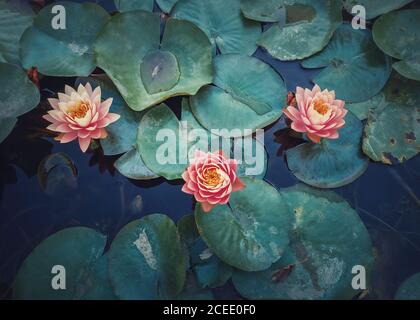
column 410, row 137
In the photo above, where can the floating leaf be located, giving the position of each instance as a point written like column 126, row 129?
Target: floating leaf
column 250, row 233
column 310, row 24
column 166, row 5
column 132, row 166
column 331, row 163
column 6, row 127
column 397, row 34
column 361, row 109
column 131, row 5
column 392, row 132
column 375, row 8
column 252, row 157
column 15, row 17
column 222, row 21
column 248, row 94
column 18, row 95
column 146, row 260
column 192, row 290
column 98, row 286
column 76, row 249
column 63, row 52
column 319, row 260
column 141, row 73
column 409, row 289
column 355, row 68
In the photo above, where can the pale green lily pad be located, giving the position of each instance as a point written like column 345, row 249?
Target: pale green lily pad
column 63, row 52
column 361, row 109
column 6, row 127
column 250, row 233
column 331, row 163
column 15, row 17
column 247, row 94
column 397, row 34
column 310, row 24
column 122, row 134
column 182, row 39
column 222, row 21
column 354, row 67
column 392, row 132
column 264, row 11
column 18, row 95
column 132, row 166
column 131, row 5
column 376, row 8
column 252, row 157
column 327, row 241
column 76, row 249
column 98, row 285
column 409, row 289
column 166, row 5
column 146, row 260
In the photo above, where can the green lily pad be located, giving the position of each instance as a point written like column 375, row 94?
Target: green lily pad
column 361, row 109
column 327, row 241
column 146, row 260
column 193, row 291
column 98, row 284
column 15, row 17
column 409, row 289
column 76, row 249
column 166, row 5
column 250, row 233
column 131, row 5
column 331, row 163
column 309, row 25
column 18, row 95
column 6, row 127
column 252, row 157
column 131, row 165
column 392, row 132
column 122, row 134
column 222, row 21
column 247, row 94
column 63, row 52
column 136, row 68
column 376, row 8
column 396, row 33
column 354, row 67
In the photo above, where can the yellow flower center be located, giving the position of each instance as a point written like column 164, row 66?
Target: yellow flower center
column 321, row 107
column 79, row 110
column 212, row 177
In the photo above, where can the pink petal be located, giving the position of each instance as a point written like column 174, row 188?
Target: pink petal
column 84, row 144
column 238, row 185
column 207, row 207
column 54, row 103
column 68, row 137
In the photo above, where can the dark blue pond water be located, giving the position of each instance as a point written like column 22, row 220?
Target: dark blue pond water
column 387, row 198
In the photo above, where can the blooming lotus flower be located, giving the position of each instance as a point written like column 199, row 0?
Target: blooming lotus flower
column 80, row 115
column 317, row 113
column 211, row 178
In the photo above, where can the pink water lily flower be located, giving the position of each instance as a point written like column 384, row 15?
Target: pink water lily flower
column 318, row 113
column 211, row 178
column 80, row 114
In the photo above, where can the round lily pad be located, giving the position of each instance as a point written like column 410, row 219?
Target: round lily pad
column 327, row 241
column 331, row 163
column 18, row 95
column 375, row 8
column 361, row 109
column 132, row 166
column 247, row 95
column 146, row 260
column 180, row 64
column 15, row 17
column 252, row 232
column 76, row 249
column 252, row 157
column 354, row 67
column 166, row 5
column 67, row 51
column 309, row 25
column 392, row 132
column 122, row 134
column 396, row 33
column 131, row 5
column 223, row 22
column 409, row 289
column 98, row 285
column 6, row 127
